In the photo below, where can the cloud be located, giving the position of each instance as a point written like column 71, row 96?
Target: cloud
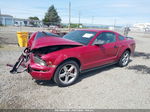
column 103, row 11
column 120, row 5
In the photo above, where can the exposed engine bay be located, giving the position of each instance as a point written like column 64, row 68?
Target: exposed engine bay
column 49, row 49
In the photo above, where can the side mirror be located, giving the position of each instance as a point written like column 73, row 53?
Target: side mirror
column 99, row 42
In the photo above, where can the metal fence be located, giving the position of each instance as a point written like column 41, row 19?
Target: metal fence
column 49, row 29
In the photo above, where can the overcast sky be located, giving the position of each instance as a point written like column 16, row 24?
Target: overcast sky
column 102, row 11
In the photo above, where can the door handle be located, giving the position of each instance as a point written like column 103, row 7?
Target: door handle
column 115, row 46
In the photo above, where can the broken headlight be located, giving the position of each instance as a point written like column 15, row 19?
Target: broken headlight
column 38, row 60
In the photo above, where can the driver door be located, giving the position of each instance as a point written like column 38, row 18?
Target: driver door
column 97, row 55
column 110, row 48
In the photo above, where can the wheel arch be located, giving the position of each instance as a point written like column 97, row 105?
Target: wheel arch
column 120, row 58
column 128, row 49
column 73, row 59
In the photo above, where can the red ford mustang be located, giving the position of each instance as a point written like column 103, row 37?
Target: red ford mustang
column 63, row 59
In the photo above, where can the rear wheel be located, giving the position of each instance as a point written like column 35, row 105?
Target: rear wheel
column 124, row 60
column 66, row 73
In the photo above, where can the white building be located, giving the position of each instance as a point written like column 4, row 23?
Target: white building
column 142, row 25
column 6, row 20
column 26, row 22
column 19, row 22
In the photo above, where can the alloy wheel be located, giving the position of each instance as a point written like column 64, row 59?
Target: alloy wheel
column 68, row 73
column 125, row 58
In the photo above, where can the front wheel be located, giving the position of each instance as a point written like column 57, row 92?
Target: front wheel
column 124, row 60
column 66, row 73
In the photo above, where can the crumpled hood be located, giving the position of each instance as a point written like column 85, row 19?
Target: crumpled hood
column 52, row 41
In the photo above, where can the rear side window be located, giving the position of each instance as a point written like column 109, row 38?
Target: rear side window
column 121, row 37
column 108, row 37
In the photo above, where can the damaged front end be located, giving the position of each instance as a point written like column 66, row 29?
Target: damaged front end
column 24, row 60
column 39, row 44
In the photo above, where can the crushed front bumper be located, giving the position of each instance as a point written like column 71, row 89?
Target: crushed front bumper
column 40, row 72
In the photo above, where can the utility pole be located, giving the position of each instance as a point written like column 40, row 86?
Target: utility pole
column 79, row 20
column 114, row 23
column 0, row 18
column 92, row 20
column 0, row 12
column 69, row 15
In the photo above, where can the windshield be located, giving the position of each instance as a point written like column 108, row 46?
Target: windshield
column 43, row 34
column 80, row 36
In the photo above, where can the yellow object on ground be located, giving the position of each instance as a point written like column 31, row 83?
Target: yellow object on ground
column 22, row 38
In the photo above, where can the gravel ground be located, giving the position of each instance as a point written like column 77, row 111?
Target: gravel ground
column 107, row 88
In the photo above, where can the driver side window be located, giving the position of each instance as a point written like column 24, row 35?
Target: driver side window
column 107, row 37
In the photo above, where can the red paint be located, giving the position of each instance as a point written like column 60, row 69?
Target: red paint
column 88, row 55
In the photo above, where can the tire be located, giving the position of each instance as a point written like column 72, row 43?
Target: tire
column 124, row 60
column 66, row 73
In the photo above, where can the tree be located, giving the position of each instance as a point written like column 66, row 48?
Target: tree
column 51, row 17
column 73, row 25
column 34, row 18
